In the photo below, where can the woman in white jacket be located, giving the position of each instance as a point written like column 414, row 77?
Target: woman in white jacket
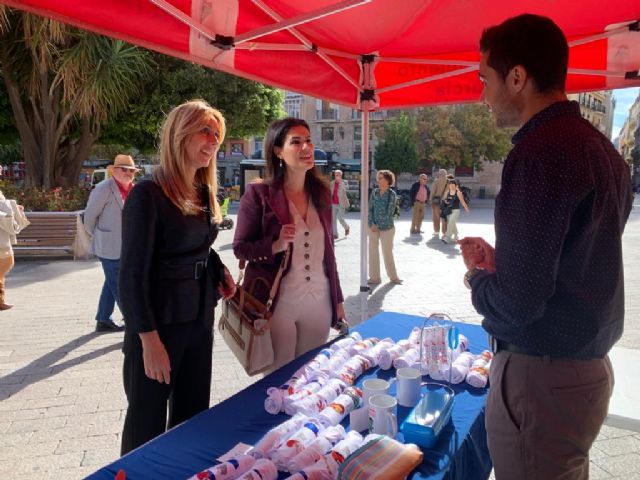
column 12, row 221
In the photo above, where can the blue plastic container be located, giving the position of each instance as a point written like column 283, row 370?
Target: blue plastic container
column 425, row 422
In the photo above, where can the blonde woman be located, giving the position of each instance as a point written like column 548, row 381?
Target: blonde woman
column 12, row 221
column 170, row 279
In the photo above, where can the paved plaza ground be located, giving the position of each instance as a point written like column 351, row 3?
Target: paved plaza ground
column 61, row 398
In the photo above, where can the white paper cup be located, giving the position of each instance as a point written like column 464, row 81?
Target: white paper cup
column 408, row 390
column 381, row 417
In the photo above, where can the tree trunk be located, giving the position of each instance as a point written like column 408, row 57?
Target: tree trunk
column 72, row 155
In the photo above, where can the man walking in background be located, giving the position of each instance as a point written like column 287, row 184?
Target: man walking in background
column 339, row 203
column 103, row 221
column 419, row 194
column 437, row 192
column 552, row 291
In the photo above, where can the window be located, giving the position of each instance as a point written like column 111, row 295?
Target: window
column 237, row 148
column 326, row 111
column 327, row 134
column 357, row 133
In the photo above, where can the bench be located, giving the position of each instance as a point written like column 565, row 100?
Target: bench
column 49, row 234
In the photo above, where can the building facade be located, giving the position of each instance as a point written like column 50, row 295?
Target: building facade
column 597, row 108
column 629, row 141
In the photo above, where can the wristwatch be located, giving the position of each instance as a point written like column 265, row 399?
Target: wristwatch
column 470, row 274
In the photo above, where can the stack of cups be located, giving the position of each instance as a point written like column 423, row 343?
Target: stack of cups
column 359, row 418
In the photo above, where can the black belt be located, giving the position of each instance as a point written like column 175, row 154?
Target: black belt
column 502, row 346
column 184, row 271
column 499, row 346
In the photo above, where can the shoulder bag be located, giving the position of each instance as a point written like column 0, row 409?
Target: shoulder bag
column 245, row 322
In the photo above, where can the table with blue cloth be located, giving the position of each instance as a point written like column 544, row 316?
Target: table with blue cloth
column 460, row 452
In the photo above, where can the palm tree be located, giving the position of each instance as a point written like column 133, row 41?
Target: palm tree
column 63, row 84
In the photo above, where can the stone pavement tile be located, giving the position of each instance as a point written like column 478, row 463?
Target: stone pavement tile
column 97, row 457
column 624, row 466
column 596, row 473
column 41, row 465
column 13, row 439
column 611, row 432
column 89, row 443
column 29, row 451
column 56, row 401
column 70, row 410
column 14, row 415
column 97, row 418
column 37, row 425
column 83, row 390
column 66, row 432
column 619, row 446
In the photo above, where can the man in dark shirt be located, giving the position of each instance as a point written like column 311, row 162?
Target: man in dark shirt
column 552, row 290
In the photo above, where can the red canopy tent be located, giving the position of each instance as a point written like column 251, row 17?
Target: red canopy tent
column 367, row 54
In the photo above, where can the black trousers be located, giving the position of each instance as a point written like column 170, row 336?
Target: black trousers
column 189, row 347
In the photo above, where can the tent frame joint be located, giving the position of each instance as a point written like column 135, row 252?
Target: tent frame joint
column 370, row 58
column 223, row 42
column 368, row 94
column 632, row 75
column 635, row 26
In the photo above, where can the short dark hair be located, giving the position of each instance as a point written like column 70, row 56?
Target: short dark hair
column 315, row 184
column 534, row 42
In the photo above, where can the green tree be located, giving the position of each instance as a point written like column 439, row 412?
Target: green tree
column 481, row 138
column 398, row 151
column 439, row 141
column 460, row 135
column 248, row 106
column 62, row 84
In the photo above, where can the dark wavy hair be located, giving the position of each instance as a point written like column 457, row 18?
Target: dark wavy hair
column 315, row 184
column 532, row 41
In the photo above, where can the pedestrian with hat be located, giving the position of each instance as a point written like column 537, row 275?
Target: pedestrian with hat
column 103, row 222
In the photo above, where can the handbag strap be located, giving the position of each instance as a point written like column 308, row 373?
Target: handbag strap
column 276, row 282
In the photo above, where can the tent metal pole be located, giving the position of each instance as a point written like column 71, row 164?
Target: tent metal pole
column 364, row 213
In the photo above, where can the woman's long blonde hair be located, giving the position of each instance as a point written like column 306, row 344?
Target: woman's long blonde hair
column 172, row 175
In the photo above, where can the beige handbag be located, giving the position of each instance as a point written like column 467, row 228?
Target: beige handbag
column 245, row 322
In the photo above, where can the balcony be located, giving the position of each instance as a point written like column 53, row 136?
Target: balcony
column 326, row 115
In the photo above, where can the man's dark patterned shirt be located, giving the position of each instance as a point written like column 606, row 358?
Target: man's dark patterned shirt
column 566, row 195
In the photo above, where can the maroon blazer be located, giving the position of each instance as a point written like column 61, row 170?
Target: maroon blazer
column 263, row 210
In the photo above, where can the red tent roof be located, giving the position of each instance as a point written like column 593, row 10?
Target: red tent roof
column 421, row 52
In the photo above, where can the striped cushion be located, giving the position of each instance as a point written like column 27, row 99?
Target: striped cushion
column 381, row 458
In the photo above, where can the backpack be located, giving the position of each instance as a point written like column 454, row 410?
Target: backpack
column 466, row 193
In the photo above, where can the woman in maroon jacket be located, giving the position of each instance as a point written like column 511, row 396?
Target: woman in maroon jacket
column 292, row 207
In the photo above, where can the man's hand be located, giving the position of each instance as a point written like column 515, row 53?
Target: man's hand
column 155, row 357
column 227, row 287
column 374, row 228
column 476, row 252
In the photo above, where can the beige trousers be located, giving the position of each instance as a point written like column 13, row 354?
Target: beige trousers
column 451, row 234
column 299, row 325
column 437, row 221
column 6, row 264
column 384, row 238
column 417, row 217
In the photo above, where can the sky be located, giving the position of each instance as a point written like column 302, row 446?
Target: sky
column 624, row 99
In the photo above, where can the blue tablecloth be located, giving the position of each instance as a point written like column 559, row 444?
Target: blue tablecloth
column 461, row 451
